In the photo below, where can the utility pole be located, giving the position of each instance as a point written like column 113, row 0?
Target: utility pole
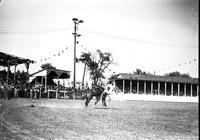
column 76, row 23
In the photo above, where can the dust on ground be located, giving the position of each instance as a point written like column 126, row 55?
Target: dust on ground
column 70, row 119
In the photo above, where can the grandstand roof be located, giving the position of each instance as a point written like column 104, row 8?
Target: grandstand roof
column 10, row 60
column 155, row 78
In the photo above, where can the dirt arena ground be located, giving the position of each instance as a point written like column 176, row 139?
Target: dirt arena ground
column 69, row 119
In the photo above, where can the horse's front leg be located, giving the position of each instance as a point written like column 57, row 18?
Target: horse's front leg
column 88, row 98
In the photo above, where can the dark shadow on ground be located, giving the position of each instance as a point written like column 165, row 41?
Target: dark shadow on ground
column 106, row 108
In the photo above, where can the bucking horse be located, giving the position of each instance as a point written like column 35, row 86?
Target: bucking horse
column 95, row 91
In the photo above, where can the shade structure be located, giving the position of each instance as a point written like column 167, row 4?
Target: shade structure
column 50, row 74
column 8, row 60
column 11, row 60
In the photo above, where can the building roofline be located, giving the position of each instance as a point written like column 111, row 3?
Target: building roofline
column 156, row 78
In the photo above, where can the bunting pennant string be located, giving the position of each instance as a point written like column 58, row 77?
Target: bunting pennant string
column 50, row 57
column 179, row 65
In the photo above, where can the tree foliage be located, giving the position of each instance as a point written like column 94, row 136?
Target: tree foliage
column 47, row 66
column 97, row 63
column 177, row 74
column 139, row 71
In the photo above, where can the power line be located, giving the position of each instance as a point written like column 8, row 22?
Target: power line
column 93, row 32
column 136, row 40
column 34, row 31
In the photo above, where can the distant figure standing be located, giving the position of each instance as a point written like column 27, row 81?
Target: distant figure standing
column 104, row 95
column 31, row 92
column 16, row 91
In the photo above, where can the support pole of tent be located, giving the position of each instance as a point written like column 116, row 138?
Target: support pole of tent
column 27, row 68
column 8, row 70
column 57, row 90
column 35, row 80
column 41, row 87
column 56, row 93
column 15, row 72
column 46, row 84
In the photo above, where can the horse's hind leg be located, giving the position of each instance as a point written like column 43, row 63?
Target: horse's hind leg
column 97, row 99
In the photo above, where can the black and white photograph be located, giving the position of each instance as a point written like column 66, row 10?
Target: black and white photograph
column 99, row 69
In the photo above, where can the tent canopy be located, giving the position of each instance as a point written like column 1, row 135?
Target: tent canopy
column 51, row 74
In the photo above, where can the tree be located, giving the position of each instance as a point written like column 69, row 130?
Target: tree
column 86, row 59
column 177, row 74
column 139, row 71
column 97, row 64
column 47, row 66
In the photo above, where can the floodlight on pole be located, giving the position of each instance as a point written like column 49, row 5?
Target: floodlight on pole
column 76, row 23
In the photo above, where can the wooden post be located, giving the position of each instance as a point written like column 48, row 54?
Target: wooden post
column 123, row 86
column 41, row 87
column 131, row 86
column 165, row 88
column 138, row 86
column 172, row 88
column 65, row 94
column 40, row 92
column 151, row 87
column 197, row 90
column 57, row 89
column 191, row 90
column 56, row 93
column 145, row 87
column 185, row 90
column 48, row 94
column 178, row 89
column 158, row 88
column 45, row 84
column 15, row 72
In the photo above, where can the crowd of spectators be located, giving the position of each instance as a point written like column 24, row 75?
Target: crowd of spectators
column 33, row 91
column 12, row 90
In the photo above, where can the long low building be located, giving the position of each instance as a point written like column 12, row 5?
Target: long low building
column 154, row 84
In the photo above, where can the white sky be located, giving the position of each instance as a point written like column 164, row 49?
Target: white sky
column 153, row 35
